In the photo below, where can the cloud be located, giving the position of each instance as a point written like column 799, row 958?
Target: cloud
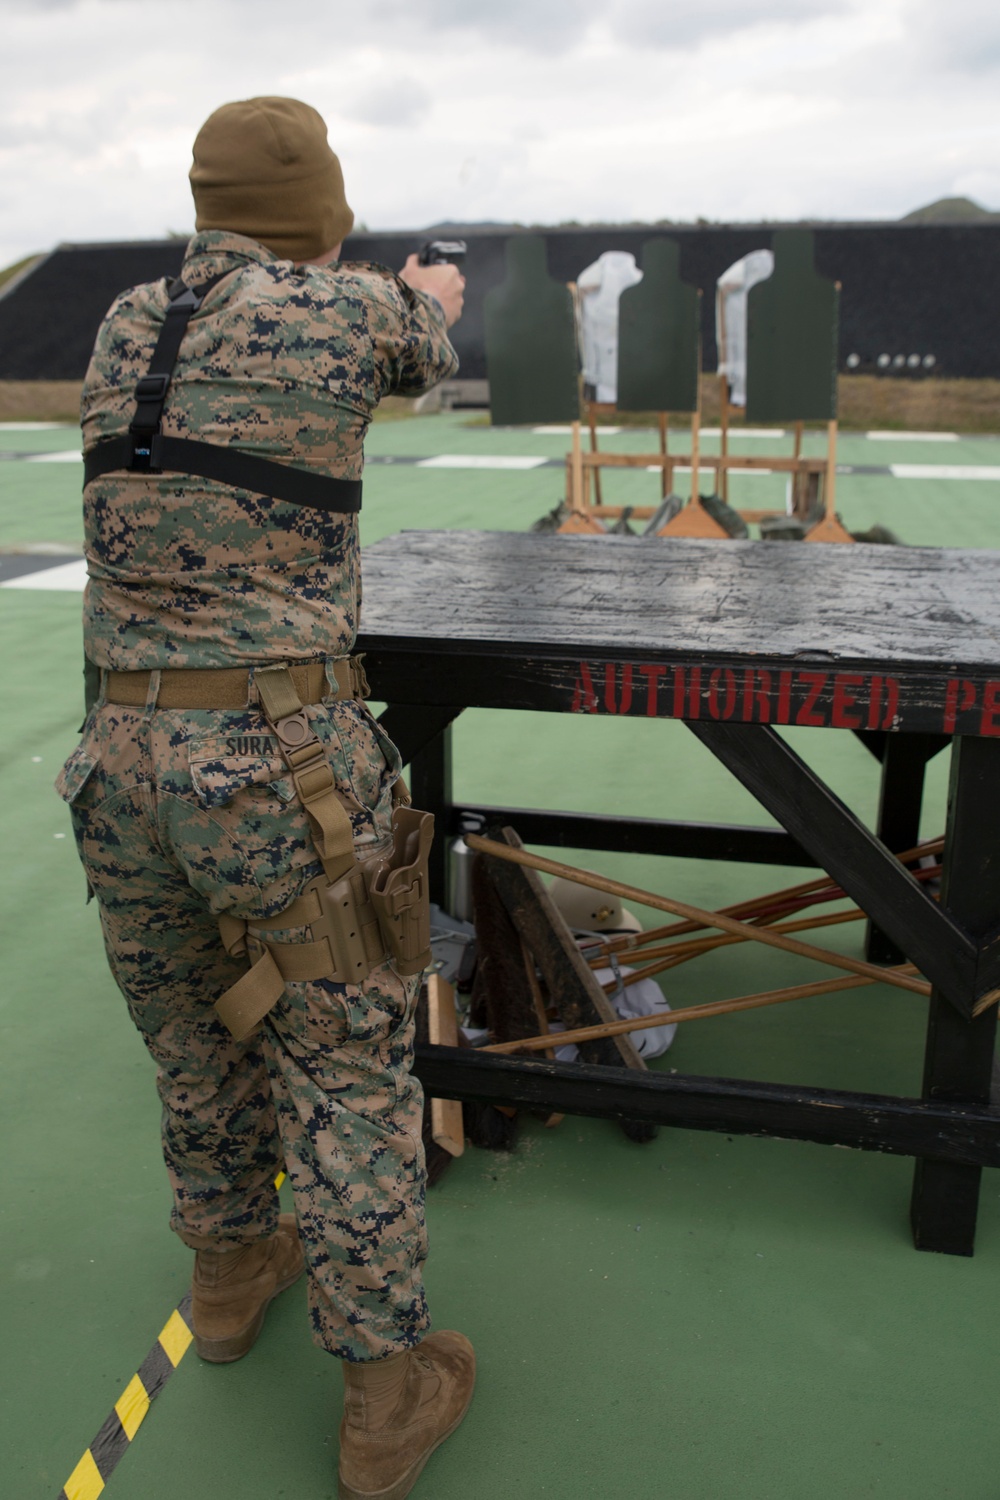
column 562, row 24
column 11, row 7
column 533, row 111
column 962, row 36
column 395, row 102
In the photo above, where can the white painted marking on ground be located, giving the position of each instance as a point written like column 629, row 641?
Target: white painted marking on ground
column 566, row 431
column 480, row 461
column 40, row 549
column 67, row 577
column 912, row 437
column 35, row 426
column 63, row 457
column 945, row 471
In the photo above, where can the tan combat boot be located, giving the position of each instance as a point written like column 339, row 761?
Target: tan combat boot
column 231, row 1290
column 398, row 1410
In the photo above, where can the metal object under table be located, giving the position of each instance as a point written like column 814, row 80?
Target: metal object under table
column 900, row 645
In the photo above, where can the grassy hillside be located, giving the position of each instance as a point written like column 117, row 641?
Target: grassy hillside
column 9, row 272
column 950, row 211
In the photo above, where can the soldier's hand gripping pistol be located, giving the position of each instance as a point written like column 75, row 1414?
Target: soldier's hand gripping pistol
column 443, row 253
column 436, row 270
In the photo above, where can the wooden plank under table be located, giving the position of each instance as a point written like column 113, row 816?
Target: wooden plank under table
column 900, row 645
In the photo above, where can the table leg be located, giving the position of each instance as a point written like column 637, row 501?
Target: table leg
column 931, row 937
column 431, row 790
column 904, row 762
column 958, row 1062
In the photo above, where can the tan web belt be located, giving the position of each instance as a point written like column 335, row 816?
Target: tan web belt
column 232, row 687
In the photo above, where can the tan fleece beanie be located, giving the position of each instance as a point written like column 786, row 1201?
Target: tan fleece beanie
column 264, row 168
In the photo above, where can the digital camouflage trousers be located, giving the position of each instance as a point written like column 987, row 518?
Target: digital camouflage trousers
column 182, row 815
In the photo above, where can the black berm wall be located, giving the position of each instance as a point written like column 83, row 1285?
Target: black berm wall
column 911, row 289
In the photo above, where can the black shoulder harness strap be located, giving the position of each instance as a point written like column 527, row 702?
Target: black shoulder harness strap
column 145, row 450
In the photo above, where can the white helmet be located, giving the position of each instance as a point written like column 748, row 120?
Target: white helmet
column 587, row 910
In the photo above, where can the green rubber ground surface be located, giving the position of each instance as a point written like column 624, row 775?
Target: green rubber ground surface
column 700, row 1318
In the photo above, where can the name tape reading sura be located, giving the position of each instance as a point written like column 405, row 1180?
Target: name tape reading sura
column 922, row 702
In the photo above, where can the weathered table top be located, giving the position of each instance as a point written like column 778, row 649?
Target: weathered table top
column 851, row 637
column 889, row 608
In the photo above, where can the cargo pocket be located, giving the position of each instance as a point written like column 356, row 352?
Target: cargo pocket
column 223, row 767
column 252, row 830
column 312, row 1018
column 76, row 777
column 382, row 1009
column 75, row 774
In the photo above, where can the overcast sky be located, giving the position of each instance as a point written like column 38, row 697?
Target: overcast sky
column 536, row 111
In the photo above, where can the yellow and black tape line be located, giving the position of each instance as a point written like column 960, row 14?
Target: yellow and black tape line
column 102, row 1457
column 95, row 1468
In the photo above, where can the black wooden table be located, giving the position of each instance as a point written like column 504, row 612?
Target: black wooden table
column 900, row 645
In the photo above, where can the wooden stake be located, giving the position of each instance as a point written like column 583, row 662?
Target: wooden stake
column 798, row 478
column 830, row 487
column 447, row 1128
column 627, row 943
column 580, row 520
column 694, row 520
column 576, row 463
column 695, row 456
column 692, row 1013
column 984, row 1002
column 723, row 479
column 640, row 947
column 664, row 419
column 657, row 960
column 592, row 424
column 695, row 913
column 829, row 529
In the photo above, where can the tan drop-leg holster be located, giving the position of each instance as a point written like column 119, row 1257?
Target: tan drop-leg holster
column 358, row 913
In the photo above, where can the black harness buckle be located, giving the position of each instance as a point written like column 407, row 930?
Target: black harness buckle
column 152, row 387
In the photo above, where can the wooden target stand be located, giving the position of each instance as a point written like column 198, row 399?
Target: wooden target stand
column 583, row 469
column 803, row 472
column 792, row 322
column 658, row 371
column 584, row 500
column 588, row 512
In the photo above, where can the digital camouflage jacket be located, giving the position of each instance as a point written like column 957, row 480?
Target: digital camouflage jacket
column 285, row 362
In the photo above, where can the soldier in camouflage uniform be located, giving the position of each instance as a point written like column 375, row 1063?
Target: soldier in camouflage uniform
column 185, row 815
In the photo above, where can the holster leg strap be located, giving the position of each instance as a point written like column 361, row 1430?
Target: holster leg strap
column 245, row 1004
column 346, row 944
